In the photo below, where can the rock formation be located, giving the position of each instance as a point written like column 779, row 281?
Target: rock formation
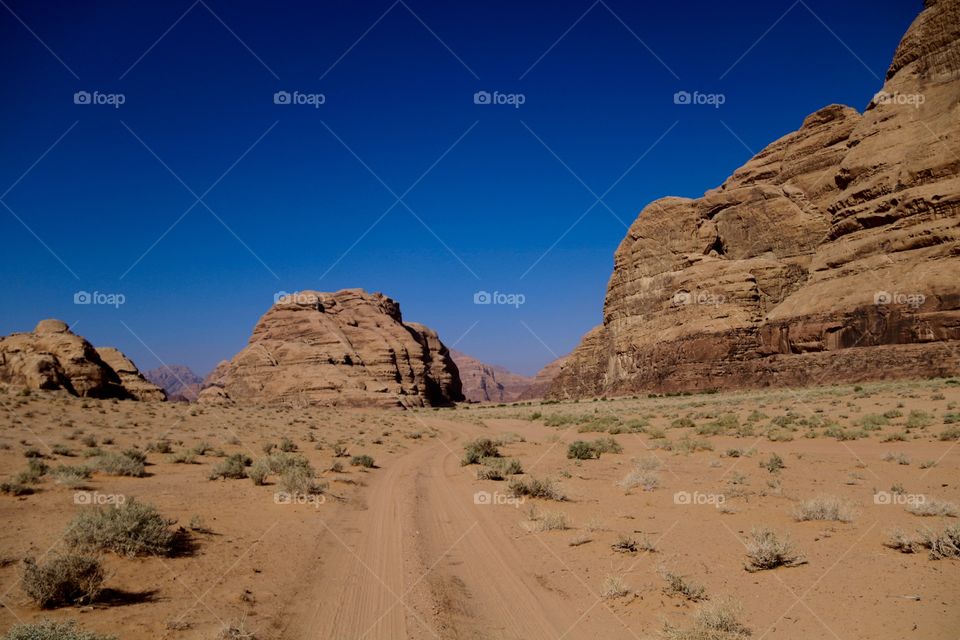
column 833, row 254
column 179, row 381
column 52, row 357
column 348, row 348
column 484, row 382
column 540, row 384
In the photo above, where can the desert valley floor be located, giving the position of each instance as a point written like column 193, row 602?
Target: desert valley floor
column 637, row 542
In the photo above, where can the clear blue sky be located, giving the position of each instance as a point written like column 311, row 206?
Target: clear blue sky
column 198, row 83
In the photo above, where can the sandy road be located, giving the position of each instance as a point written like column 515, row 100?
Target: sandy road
column 422, row 560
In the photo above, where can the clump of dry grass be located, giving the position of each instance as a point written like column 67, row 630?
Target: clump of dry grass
column 534, row 488
column 647, row 480
column 766, row 551
column 824, row 508
column 679, row 585
column 714, row 621
column 613, row 586
column 940, row 544
column 552, row 521
column 67, row 579
column 934, row 507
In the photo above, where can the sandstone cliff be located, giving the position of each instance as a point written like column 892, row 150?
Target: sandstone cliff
column 349, row 348
column 833, row 254
column 52, row 357
column 179, row 381
column 484, row 382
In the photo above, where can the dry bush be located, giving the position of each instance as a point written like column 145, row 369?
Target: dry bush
column 824, row 508
column 714, row 621
column 678, row 585
column 934, row 507
column 129, row 529
column 552, row 521
column 52, row 630
column 647, row 480
column 766, row 551
column 66, row 579
column 477, row 450
column 534, row 488
column 613, row 586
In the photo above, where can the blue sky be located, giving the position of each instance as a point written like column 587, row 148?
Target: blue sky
column 198, row 198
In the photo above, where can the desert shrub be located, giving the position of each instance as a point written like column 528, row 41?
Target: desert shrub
column 683, row 423
column 160, row 446
column 70, row 476
column 625, row 544
column 933, row 507
column 118, row 464
column 552, row 521
column 613, row 586
column 364, row 461
column 52, row 630
column 951, row 433
column 951, row 418
column 129, row 529
column 692, row 445
column 899, row 458
column 581, row 450
column 89, row 440
column 61, row 450
column 823, row 508
column 136, row 455
column 766, row 551
column 258, row 472
column 186, row 456
column 300, row 480
column 498, row 468
column 559, row 420
column 873, row 422
column 474, row 452
column 233, row 466
column 287, row 445
column 36, row 469
column 648, row 480
column 773, row 464
column 63, row 580
column 919, row 420
column 713, row 621
column 678, row 585
column 607, row 445
column 656, row 433
column 535, row 488
column 942, row 544
column 15, row 489
column 899, row 436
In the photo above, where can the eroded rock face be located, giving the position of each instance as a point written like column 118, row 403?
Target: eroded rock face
column 349, row 348
column 179, row 381
column 812, row 261
column 540, row 384
column 52, row 357
column 484, row 382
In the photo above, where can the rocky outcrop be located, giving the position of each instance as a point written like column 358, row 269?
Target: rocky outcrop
column 484, row 382
column 179, row 381
column 52, row 357
column 540, row 384
column 833, row 254
column 349, row 348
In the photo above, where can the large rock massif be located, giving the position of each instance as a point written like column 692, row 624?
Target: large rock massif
column 51, row 357
column 484, row 382
column 349, row 348
column 833, row 254
column 179, row 381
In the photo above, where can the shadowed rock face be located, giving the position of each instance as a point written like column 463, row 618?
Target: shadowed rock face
column 484, row 382
column 349, row 348
column 833, row 254
column 541, row 382
column 52, row 357
column 179, row 381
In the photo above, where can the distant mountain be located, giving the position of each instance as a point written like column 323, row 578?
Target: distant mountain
column 179, row 381
column 484, row 382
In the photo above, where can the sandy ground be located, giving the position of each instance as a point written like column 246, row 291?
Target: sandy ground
column 410, row 549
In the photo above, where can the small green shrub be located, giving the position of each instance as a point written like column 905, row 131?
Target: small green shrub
column 580, row 450
column 477, row 450
column 129, row 529
column 233, row 466
column 362, row 461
